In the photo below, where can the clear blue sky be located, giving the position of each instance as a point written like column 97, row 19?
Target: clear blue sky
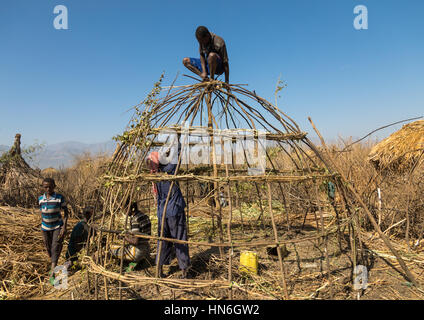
column 76, row 84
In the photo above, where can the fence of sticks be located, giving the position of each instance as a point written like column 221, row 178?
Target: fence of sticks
column 295, row 217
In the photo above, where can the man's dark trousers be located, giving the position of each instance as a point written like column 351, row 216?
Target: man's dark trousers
column 174, row 227
column 53, row 244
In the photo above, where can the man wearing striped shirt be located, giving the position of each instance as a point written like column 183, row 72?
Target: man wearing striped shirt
column 137, row 248
column 52, row 224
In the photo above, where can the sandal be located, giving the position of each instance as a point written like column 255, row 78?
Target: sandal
column 131, row 267
column 52, row 278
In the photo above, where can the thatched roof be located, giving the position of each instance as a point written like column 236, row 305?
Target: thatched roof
column 401, row 150
column 18, row 181
column 13, row 159
column 49, row 172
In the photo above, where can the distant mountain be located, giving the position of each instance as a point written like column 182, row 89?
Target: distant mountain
column 62, row 155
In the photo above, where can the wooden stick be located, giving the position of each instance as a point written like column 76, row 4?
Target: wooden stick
column 123, row 246
column 229, row 133
column 215, row 179
column 280, row 258
column 215, row 171
column 230, row 251
column 223, row 244
column 325, row 245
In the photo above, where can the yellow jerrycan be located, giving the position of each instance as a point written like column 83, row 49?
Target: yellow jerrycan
column 248, row 262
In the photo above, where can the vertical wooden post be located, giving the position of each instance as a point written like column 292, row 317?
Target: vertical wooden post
column 286, row 208
column 238, row 206
column 325, row 239
column 188, row 208
column 280, row 258
column 215, row 170
column 262, row 216
column 130, row 197
column 98, row 257
column 379, row 205
column 339, row 236
column 230, row 250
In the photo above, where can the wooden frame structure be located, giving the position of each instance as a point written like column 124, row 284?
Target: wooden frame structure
column 213, row 106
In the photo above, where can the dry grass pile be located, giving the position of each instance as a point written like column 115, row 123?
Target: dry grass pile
column 80, row 183
column 353, row 162
column 23, row 260
column 402, row 150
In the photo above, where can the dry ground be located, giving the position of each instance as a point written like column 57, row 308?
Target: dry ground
column 305, row 268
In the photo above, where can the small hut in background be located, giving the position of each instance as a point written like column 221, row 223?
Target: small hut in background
column 402, row 151
column 19, row 183
column 399, row 188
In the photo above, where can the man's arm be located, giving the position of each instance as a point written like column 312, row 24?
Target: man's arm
column 65, row 222
column 131, row 240
column 204, row 74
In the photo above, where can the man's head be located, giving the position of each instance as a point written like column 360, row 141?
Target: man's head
column 203, row 35
column 87, row 213
column 48, row 186
column 153, row 161
column 133, row 206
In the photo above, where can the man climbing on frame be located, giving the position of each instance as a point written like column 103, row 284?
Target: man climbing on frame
column 52, row 224
column 213, row 56
column 175, row 218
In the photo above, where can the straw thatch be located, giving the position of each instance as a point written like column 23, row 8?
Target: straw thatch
column 23, row 260
column 402, row 150
column 49, row 172
column 18, row 181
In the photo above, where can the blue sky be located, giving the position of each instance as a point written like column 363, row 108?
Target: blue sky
column 76, row 84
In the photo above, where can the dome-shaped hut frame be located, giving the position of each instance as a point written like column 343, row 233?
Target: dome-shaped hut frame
column 224, row 113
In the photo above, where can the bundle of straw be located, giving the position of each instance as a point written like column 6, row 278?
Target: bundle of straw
column 23, row 260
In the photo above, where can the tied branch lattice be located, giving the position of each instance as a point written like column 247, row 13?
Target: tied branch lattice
column 293, row 174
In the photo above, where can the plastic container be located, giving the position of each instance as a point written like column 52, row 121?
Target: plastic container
column 248, row 262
